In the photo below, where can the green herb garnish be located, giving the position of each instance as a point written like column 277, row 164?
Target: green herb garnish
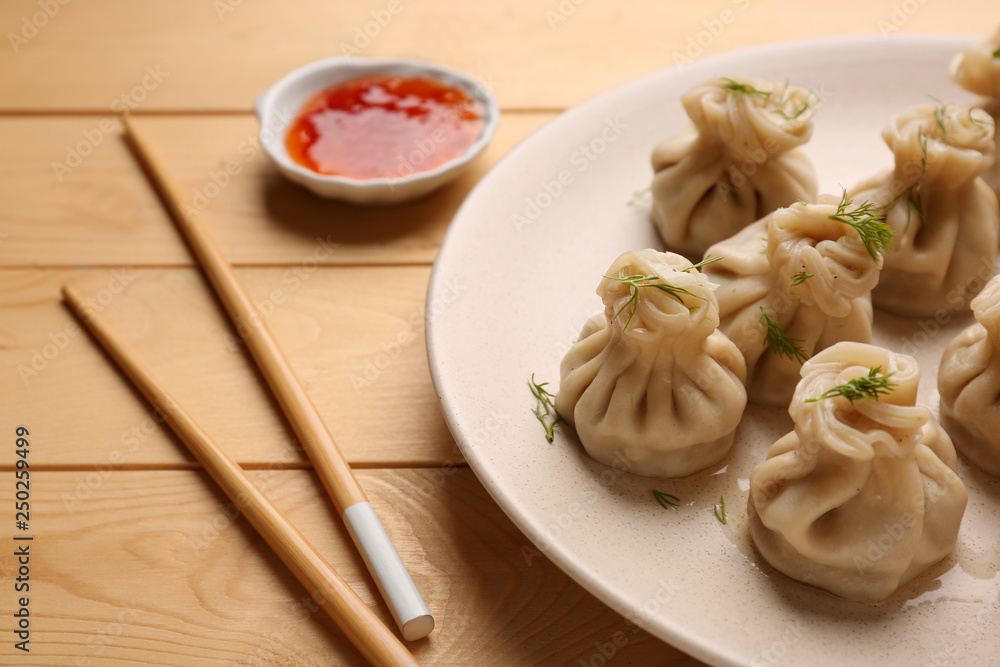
column 720, row 510
column 746, row 89
column 636, row 281
column 704, row 262
column 871, row 227
column 914, row 199
column 800, row 278
column 545, row 409
column 778, row 341
column 939, row 118
column 783, row 102
column 996, row 54
column 795, row 114
column 638, row 196
column 873, row 385
column 988, row 122
column 666, row 500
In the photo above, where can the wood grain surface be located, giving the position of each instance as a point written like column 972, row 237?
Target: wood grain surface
column 157, row 568
column 136, row 557
column 103, row 212
column 355, row 339
column 198, row 55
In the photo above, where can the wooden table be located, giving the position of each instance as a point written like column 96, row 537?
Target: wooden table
column 136, row 557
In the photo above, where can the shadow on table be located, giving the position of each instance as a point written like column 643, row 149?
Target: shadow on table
column 295, row 208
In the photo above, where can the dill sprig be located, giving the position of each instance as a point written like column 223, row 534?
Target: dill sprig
column 914, row 198
column 638, row 196
column 783, row 102
column 667, row 501
column 871, row 227
column 545, row 409
column 939, row 117
column 720, row 510
column 745, row 89
column 795, row 114
column 778, row 341
column 981, row 122
column 704, row 262
column 800, row 277
column 656, row 282
column 873, row 385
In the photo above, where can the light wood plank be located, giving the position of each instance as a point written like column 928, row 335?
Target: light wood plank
column 548, row 54
column 155, row 568
column 355, row 339
column 102, row 212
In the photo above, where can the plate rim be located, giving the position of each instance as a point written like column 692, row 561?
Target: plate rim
column 695, row 646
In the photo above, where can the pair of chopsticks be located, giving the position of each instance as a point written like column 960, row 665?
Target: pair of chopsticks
column 375, row 641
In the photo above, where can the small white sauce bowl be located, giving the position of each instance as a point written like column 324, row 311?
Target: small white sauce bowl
column 277, row 108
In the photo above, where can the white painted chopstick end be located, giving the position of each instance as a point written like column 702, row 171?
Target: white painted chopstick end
column 400, row 593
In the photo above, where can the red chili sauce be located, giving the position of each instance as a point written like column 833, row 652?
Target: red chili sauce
column 384, row 126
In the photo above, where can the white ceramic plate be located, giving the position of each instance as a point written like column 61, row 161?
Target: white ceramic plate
column 514, row 282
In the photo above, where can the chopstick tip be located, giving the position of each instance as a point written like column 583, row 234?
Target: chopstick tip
column 69, row 294
column 417, row 628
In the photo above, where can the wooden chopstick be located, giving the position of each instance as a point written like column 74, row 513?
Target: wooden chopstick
column 373, row 639
column 391, row 576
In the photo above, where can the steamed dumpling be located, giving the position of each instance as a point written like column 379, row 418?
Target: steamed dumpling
column 861, row 497
column 736, row 163
column 651, row 381
column 977, row 69
column 944, row 216
column 969, row 384
column 811, row 274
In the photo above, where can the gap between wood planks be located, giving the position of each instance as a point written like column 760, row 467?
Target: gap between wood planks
column 159, row 113
column 253, row 466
